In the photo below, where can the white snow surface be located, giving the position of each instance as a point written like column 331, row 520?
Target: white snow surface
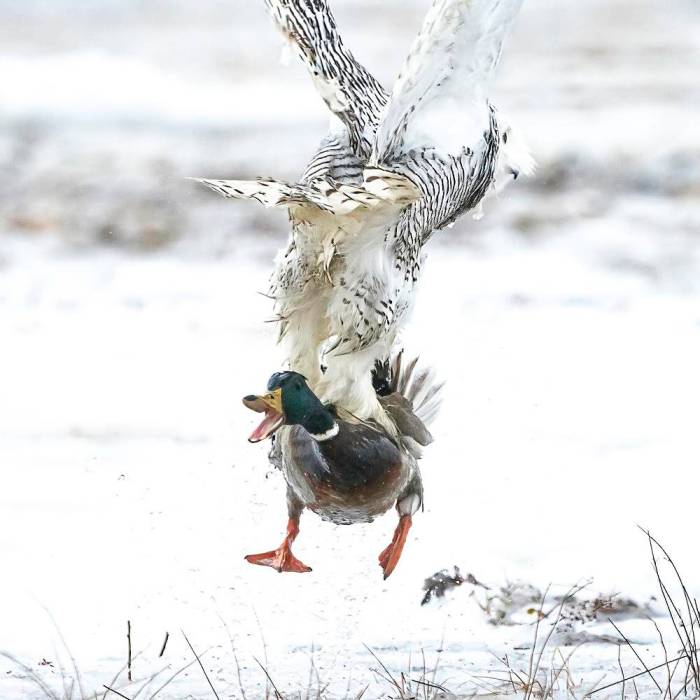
column 566, row 324
column 130, row 491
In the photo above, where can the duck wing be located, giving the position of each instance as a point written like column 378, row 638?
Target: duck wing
column 409, row 394
column 346, row 86
column 407, row 422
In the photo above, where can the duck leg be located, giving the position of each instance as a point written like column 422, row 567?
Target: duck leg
column 389, row 558
column 282, row 558
column 406, row 506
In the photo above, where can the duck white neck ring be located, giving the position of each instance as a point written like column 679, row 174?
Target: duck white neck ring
column 330, row 433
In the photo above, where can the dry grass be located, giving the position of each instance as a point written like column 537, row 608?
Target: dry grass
column 545, row 673
column 679, row 676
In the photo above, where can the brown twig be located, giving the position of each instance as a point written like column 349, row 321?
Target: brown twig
column 668, row 666
column 622, row 671
column 235, row 657
column 117, row 674
column 264, row 643
column 201, row 665
column 687, row 626
column 172, row 678
column 165, row 643
column 634, row 651
column 670, row 605
column 564, row 666
column 532, row 676
column 278, row 695
column 116, row 692
column 128, row 657
column 534, row 644
column 636, row 675
column 389, row 677
column 74, row 663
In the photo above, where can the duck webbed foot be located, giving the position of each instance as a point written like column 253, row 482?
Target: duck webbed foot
column 389, row 558
column 282, row 559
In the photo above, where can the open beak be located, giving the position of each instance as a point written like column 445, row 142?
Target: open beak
column 271, row 405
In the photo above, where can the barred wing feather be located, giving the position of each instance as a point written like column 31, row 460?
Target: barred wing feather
column 379, row 187
column 346, row 86
column 439, row 99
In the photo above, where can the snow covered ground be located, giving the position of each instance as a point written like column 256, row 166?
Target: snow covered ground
column 566, row 324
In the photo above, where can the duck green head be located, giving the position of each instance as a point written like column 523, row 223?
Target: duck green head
column 289, row 401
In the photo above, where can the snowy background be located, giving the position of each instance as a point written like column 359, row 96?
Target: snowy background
column 566, row 323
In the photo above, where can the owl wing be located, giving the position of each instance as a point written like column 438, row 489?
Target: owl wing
column 346, row 86
column 440, row 97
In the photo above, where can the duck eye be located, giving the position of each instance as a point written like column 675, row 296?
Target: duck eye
column 505, row 137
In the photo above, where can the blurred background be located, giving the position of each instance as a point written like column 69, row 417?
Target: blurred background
column 566, row 322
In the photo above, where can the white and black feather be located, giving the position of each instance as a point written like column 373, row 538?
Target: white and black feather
column 396, row 169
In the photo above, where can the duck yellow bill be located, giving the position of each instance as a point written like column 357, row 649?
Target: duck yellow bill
column 271, row 405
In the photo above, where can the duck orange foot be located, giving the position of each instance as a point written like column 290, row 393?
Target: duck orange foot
column 389, row 558
column 282, row 559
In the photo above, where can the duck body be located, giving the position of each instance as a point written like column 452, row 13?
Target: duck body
column 344, row 469
column 352, row 478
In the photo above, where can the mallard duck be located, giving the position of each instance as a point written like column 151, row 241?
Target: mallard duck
column 344, row 469
column 395, row 168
